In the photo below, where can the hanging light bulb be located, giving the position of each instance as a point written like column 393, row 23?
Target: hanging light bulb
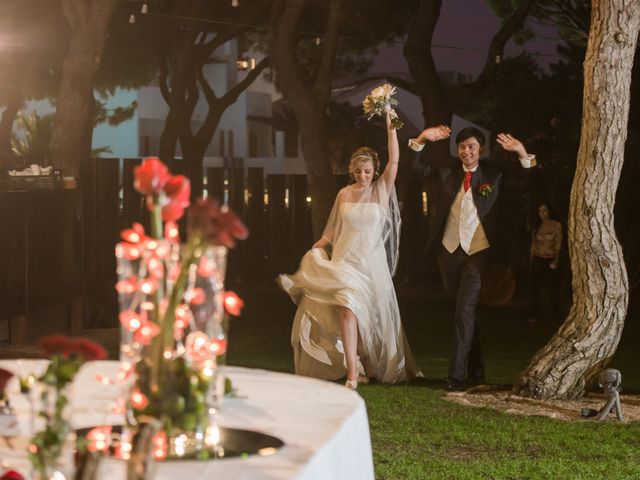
column 235, row 3
column 132, row 18
column 318, row 41
column 144, row 8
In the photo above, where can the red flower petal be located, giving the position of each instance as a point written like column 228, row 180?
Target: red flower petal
column 151, row 177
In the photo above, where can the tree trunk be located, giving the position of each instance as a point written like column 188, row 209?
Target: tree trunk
column 308, row 97
column 590, row 335
column 320, row 180
column 73, row 123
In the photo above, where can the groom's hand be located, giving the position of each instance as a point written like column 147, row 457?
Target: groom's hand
column 511, row 144
column 433, row 134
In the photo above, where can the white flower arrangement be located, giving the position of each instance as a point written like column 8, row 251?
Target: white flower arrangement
column 378, row 101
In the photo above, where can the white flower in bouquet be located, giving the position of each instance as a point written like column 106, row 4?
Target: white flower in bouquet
column 379, row 101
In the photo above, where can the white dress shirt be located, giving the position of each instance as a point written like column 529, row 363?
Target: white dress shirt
column 463, row 224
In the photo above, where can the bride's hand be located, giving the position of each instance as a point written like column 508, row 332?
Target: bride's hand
column 391, row 114
column 320, row 243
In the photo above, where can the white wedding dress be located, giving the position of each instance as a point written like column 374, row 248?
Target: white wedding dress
column 358, row 277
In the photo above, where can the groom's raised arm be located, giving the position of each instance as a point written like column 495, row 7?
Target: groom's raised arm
column 417, row 145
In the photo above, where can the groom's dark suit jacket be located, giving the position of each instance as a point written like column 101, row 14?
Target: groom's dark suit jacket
column 444, row 179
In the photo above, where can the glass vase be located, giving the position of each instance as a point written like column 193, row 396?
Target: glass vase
column 171, row 316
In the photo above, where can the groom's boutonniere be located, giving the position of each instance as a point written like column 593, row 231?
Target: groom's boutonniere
column 485, row 189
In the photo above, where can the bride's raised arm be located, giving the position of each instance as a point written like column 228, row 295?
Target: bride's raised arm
column 391, row 170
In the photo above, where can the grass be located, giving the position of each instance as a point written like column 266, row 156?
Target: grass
column 416, row 434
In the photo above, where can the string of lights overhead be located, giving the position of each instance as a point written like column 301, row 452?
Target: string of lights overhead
column 144, row 9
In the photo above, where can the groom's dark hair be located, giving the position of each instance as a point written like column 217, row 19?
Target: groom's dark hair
column 470, row 132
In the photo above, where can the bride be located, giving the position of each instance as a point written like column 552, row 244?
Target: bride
column 347, row 321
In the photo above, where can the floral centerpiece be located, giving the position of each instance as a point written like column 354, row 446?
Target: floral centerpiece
column 172, row 312
column 379, row 101
column 66, row 356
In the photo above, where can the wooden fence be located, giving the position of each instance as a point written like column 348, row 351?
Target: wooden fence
column 275, row 208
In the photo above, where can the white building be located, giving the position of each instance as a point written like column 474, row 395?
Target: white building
column 245, row 135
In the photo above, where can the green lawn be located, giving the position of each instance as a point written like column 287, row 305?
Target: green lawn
column 418, row 435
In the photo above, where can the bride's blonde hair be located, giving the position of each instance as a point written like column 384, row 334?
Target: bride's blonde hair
column 361, row 155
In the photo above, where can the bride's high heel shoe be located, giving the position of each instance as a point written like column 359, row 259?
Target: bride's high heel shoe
column 352, row 384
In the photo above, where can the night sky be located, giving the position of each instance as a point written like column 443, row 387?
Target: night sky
column 468, row 25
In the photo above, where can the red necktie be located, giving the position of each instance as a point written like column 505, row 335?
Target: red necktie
column 467, row 180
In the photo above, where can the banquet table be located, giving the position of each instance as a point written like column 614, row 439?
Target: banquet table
column 323, row 425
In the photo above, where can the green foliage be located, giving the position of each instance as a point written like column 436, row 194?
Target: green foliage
column 32, row 140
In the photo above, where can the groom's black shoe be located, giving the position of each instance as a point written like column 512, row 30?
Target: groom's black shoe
column 453, row 385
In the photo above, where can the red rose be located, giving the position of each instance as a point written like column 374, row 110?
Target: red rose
column 66, row 346
column 178, row 189
column 11, row 475
column 233, row 304
column 5, row 376
column 151, row 177
column 90, row 350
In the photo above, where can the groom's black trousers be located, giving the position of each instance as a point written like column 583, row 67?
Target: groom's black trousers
column 462, row 276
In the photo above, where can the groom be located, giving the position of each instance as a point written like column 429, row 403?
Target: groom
column 461, row 230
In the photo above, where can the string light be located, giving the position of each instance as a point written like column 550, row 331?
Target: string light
column 235, row 3
column 144, row 8
column 132, row 19
column 317, row 39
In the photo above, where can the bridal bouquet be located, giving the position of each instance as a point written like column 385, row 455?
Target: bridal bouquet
column 378, row 101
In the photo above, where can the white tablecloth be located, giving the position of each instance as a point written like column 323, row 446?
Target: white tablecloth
column 324, row 425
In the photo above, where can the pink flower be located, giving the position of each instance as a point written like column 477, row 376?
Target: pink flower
column 233, row 304
column 151, row 177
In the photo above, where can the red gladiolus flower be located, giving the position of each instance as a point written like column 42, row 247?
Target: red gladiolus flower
column 178, row 189
column 5, row 376
column 218, row 225
column 233, row 304
column 151, row 177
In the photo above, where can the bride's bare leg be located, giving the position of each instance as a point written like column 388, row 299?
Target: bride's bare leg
column 349, row 332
